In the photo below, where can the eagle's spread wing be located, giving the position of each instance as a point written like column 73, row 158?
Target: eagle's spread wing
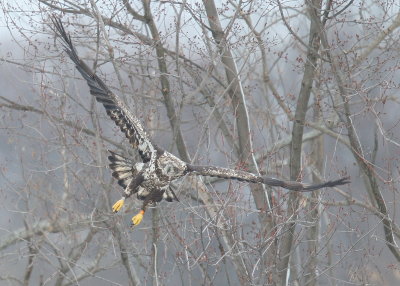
column 249, row 177
column 115, row 108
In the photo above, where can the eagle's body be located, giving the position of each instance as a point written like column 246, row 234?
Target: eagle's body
column 153, row 175
column 150, row 179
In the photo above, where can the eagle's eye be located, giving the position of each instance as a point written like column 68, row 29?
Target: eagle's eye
column 169, row 169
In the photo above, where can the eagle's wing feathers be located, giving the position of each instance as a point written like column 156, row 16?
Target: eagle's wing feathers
column 249, row 177
column 115, row 108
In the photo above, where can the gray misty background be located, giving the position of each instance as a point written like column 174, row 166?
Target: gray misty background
column 302, row 90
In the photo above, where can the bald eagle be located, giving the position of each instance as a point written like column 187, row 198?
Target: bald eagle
column 150, row 179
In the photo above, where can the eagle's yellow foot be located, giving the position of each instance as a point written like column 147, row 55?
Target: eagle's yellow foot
column 137, row 218
column 118, row 205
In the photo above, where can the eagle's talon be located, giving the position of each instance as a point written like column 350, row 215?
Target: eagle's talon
column 137, row 218
column 118, row 205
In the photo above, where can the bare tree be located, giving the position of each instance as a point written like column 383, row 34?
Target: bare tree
column 300, row 90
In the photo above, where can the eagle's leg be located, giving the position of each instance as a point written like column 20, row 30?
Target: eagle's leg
column 118, row 204
column 139, row 217
column 129, row 190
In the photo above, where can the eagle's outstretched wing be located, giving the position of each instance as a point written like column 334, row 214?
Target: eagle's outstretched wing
column 249, row 177
column 115, row 108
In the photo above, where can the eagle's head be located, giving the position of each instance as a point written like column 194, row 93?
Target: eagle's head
column 171, row 166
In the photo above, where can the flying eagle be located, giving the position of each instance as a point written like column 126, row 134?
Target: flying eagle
column 150, row 179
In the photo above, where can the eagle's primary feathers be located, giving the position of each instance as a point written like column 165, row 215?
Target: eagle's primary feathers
column 150, row 179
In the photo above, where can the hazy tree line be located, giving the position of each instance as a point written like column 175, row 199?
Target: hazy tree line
column 302, row 90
